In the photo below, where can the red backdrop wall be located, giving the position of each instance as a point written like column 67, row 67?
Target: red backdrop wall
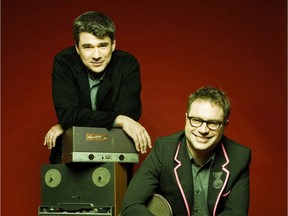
column 239, row 46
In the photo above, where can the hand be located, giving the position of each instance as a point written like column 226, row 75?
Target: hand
column 52, row 134
column 136, row 131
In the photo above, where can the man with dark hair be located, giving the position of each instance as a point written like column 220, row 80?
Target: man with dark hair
column 95, row 85
column 199, row 171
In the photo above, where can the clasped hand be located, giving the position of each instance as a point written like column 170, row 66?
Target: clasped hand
column 136, row 131
column 52, row 134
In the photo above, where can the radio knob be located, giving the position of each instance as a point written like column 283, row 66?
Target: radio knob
column 91, row 156
column 121, row 157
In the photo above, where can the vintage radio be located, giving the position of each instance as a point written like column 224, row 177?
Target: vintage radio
column 90, row 144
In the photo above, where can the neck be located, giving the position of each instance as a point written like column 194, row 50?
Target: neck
column 199, row 156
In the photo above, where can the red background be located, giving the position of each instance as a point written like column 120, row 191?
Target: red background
column 239, row 46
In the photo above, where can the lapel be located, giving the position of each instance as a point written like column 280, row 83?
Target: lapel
column 183, row 175
column 83, row 83
column 219, row 176
column 103, row 91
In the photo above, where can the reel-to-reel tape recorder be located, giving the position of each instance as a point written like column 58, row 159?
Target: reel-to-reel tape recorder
column 78, row 189
column 84, row 186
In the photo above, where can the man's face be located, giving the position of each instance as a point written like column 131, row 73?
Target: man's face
column 202, row 139
column 95, row 52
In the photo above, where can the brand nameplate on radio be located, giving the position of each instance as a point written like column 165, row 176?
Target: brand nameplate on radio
column 96, row 137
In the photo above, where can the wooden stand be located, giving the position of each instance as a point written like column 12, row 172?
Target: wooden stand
column 120, row 186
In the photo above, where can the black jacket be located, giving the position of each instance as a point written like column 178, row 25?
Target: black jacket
column 167, row 171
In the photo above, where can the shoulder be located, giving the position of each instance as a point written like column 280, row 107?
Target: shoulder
column 164, row 149
column 235, row 150
column 171, row 140
column 68, row 61
column 232, row 145
column 70, row 51
column 119, row 56
column 68, row 55
column 172, row 137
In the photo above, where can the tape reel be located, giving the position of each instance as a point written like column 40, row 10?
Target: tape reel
column 92, row 183
column 52, row 178
column 101, row 177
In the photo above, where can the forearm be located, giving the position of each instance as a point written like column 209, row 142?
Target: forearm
column 85, row 118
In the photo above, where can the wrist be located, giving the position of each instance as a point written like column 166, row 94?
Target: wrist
column 118, row 122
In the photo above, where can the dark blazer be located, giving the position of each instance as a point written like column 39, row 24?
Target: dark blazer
column 119, row 92
column 167, row 171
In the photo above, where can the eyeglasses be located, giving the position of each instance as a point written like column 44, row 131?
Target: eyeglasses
column 197, row 122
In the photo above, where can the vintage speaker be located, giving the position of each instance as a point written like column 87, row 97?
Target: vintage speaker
column 83, row 187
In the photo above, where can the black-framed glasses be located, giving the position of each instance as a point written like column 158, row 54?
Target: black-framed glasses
column 197, row 122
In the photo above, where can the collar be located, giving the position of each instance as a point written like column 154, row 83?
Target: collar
column 210, row 159
column 94, row 76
